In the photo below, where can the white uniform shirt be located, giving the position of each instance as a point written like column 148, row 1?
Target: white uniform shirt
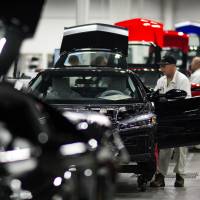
column 195, row 77
column 179, row 81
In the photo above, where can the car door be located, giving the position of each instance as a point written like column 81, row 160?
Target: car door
column 178, row 122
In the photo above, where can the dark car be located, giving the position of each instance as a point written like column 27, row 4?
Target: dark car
column 58, row 151
column 116, row 93
column 64, row 162
column 141, row 117
column 120, row 95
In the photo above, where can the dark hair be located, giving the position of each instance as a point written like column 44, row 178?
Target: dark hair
column 167, row 60
column 99, row 60
column 73, row 59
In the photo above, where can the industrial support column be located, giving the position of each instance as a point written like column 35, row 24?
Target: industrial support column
column 82, row 10
column 168, row 14
column 140, row 8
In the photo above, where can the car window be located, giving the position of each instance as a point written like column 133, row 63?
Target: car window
column 85, row 88
column 91, row 58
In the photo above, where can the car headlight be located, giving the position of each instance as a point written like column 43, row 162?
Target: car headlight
column 140, row 121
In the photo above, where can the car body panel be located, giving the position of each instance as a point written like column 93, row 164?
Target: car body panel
column 95, row 36
column 178, row 122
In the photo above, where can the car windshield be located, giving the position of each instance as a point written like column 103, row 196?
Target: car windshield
column 141, row 54
column 85, row 88
column 91, row 58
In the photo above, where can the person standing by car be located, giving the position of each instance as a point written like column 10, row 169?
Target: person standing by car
column 195, row 68
column 172, row 79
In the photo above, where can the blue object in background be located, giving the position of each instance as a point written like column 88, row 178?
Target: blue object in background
column 188, row 27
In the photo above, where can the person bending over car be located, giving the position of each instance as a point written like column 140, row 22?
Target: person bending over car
column 195, row 68
column 172, row 79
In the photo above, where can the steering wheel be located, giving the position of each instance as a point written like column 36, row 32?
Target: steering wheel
column 111, row 92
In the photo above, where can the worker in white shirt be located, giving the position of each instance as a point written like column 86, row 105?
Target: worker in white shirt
column 172, row 79
column 195, row 78
column 195, row 68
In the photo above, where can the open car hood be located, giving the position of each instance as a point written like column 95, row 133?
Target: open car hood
column 95, row 36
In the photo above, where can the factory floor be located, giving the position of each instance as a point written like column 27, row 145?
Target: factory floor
column 127, row 185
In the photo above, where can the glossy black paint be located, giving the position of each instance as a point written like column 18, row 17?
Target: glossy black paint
column 177, row 119
column 17, row 25
column 95, row 36
column 21, row 115
column 139, row 141
column 178, row 122
column 47, row 132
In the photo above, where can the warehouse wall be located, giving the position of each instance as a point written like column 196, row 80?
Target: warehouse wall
column 187, row 10
column 56, row 15
column 60, row 13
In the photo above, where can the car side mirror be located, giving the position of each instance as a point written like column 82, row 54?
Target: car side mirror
column 171, row 94
column 176, row 94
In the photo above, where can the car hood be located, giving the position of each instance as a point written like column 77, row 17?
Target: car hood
column 115, row 113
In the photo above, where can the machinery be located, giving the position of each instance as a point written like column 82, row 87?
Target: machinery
column 193, row 30
column 145, row 44
column 177, row 45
